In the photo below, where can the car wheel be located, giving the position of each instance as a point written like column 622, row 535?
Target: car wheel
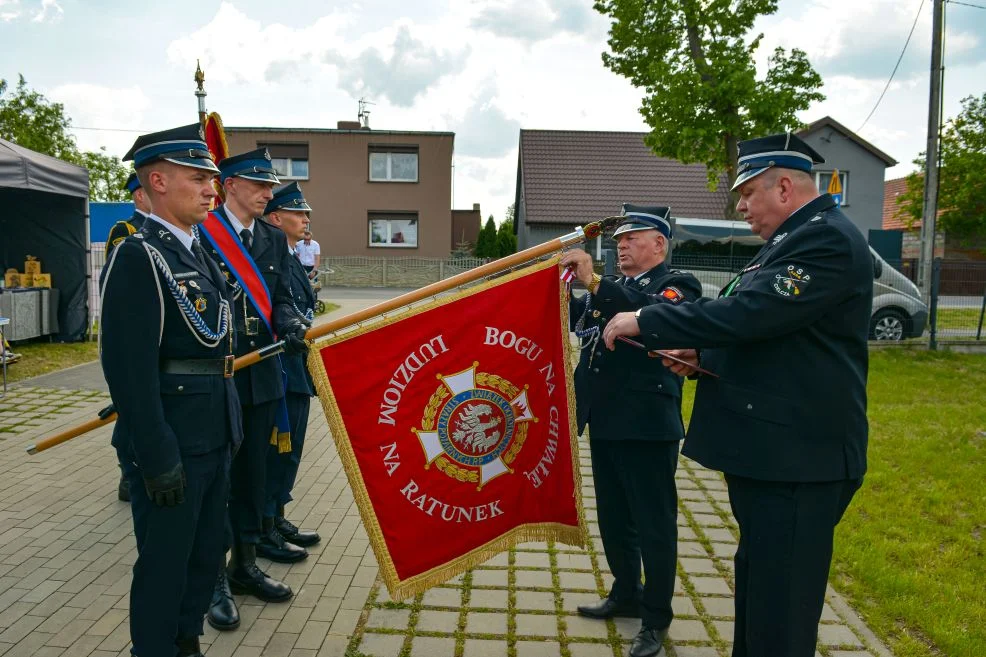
column 888, row 325
column 319, row 307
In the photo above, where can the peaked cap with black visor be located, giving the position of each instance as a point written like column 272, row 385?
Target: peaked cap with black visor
column 184, row 146
column 787, row 151
column 253, row 165
column 644, row 217
column 288, row 198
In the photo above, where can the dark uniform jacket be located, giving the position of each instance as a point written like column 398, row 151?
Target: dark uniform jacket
column 262, row 382
column 121, row 230
column 788, row 339
column 163, row 416
column 625, row 394
column 303, row 298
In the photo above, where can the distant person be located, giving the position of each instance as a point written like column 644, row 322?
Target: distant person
column 310, row 253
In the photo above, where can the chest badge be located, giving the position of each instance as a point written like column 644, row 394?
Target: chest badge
column 193, row 285
column 200, row 304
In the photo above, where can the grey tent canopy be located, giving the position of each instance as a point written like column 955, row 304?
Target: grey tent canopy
column 44, row 213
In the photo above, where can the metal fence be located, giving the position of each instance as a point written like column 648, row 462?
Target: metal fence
column 364, row 271
column 955, row 313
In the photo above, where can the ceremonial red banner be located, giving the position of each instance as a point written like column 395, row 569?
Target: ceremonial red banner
column 456, row 426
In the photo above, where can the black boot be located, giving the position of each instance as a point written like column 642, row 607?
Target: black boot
column 223, row 614
column 291, row 533
column 246, row 578
column 123, row 490
column 648, row 642
column 189, row 648
column 273, row 546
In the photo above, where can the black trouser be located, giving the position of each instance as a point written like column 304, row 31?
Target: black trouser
column 180, row 552
column 282, row 469
column 782, row 562
column 637, row 505
column 248, row 476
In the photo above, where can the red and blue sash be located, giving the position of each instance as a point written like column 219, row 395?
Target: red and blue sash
column 221, row 236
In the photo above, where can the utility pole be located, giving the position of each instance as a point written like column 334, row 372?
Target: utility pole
column 930, row 211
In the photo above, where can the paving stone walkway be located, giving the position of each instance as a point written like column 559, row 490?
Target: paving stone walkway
column 66, row 551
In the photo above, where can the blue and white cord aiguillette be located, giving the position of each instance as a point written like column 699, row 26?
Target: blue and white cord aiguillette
column 195, row 321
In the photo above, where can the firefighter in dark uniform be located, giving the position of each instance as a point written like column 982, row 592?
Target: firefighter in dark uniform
column 167, row 345
column 786, row 420
column 289, row 211
column 632, row 404
column 248, row 180
column 120, row 231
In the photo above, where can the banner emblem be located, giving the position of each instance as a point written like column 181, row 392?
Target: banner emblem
column 481, row 426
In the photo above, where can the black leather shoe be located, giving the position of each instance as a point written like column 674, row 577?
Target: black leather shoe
column 246, row 579
column 189, row 648
column 273, row 546
column 648, row 642
column 609, row 608
column 223, row 614
column 291, row 533
column 123, row 490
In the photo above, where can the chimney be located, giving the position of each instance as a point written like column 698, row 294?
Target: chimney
column 475, row 207
column 348, row 125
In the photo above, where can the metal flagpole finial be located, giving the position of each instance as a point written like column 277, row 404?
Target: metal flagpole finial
column 596, row 228
column 200, row 91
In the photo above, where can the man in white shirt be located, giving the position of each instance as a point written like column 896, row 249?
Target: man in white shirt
column 309, row 252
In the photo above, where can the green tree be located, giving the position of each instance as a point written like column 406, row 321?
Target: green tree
column 486, row 246
column 107, row 176
column 695, row 62
column 961, row 183
column 29, row 119
column 506, row 241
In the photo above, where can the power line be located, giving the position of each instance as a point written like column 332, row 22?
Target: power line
column 78, row 127
column 896, row 66
column 965, row 4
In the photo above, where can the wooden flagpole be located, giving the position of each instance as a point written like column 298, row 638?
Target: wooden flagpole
column 578, row 236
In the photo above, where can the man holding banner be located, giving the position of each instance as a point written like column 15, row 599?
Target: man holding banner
column 786, row 419
column 632, row 405
column 254, row 258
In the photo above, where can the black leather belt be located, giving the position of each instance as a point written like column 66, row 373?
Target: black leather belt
column 199, row 366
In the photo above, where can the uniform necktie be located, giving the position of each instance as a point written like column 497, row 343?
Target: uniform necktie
column 247, row 238
column 297, row 256
column 199, row 254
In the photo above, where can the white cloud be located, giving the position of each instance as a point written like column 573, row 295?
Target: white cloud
column 485, row 130
column 97, row 106
column 10, row 10
column 402, row 73
column 534, row 20
column 50, row 11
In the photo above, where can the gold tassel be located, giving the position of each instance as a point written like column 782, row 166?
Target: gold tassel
column 284, row 443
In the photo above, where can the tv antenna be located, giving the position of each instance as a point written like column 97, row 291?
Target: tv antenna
column 364, row 113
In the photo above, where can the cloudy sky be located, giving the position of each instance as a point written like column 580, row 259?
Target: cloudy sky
column 481, row 68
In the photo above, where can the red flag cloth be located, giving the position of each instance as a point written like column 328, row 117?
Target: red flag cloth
column 455, row 423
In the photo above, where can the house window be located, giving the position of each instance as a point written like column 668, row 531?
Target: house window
column 290, row 168
column 824, row 178
column 290, row 160
column 393, row 230
column 393, row 164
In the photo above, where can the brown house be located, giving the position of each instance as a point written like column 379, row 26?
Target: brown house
column 373, row 192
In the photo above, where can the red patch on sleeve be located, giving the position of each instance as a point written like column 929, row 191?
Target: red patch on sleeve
column 672, row 294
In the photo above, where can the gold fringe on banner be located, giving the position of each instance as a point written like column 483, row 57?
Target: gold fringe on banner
column 541, row 532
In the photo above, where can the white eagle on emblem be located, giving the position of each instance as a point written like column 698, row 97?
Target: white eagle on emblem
column 471, row 431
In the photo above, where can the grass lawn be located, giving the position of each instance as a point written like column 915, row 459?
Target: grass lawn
column 43, row 357
column 910, row 553
column 967, row 318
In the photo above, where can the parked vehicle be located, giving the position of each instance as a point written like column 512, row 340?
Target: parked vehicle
column 714, row 250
